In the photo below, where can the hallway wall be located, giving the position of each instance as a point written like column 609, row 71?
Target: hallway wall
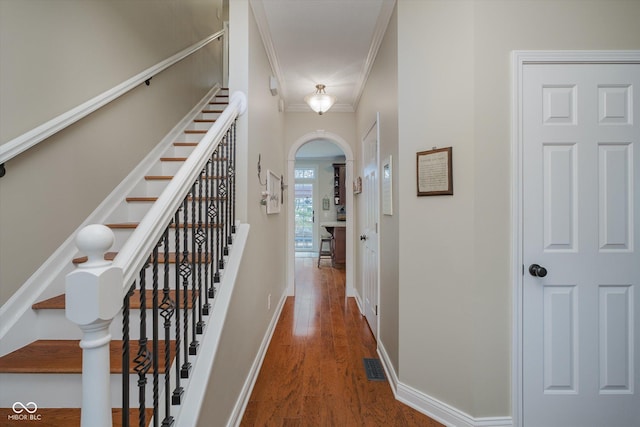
column 57, row 54
column 454, row 259
column 380, row 95
column 262, row 272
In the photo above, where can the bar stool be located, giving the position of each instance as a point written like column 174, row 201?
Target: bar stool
column 326, row 249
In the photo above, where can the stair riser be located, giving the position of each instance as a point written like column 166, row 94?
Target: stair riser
column 153, row 188
column 64, row 390
column 199, row 126
column 170, row 167
column 123, row 235
column 59, row 326
column 190, row 137
column 179, row 151
column 209, row 116
column 134, row 211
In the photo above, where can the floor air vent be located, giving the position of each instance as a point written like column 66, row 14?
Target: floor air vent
column 374, row 370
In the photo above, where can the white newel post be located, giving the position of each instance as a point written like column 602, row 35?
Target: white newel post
column 93, row 298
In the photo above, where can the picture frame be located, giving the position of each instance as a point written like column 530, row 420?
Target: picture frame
column 325, row 203
column 387, row 180
column 357, row 186
column 434, row 172
column 274, row 186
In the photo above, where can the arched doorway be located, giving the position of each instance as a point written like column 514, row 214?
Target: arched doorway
column 349, row 206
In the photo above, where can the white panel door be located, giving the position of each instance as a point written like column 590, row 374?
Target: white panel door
column 369, row 236
column 581, row 183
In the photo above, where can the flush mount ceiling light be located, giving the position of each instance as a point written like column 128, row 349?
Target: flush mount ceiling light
column 319, row 101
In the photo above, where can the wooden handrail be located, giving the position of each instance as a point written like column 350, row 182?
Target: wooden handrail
column 27, row 140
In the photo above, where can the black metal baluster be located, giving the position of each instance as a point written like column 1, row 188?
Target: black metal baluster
column 232, row 131
column 212, row 214
column 201, row 238
column 185, row 272
column 167, row 307
column 219, row 260
column 155, row 336
column 126, row 311
column 177, row 393
column 193, row 346
column 208, row 229
column 227, row 211
column 142, row 361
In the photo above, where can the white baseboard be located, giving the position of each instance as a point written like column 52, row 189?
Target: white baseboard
column 247, row 388
column 433, row 408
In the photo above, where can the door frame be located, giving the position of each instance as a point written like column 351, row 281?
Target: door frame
column 349, row 206
column 519, row 59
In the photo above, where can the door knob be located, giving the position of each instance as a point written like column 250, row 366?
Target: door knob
column 363, row 237
column 537, row 271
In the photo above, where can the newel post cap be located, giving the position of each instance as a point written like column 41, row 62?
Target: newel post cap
column 242, row 101
column 94, row 289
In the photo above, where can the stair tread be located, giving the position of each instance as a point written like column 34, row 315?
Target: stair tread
column 173, row 159
column 65, row 357
column 58, row 302
column 170, row 177
column 109, row 256
column 131, row 225
column 153, row 199
column 70, row 417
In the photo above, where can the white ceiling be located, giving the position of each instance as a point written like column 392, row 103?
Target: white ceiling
column 332, row 42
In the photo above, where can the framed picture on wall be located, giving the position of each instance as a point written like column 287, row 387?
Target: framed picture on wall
column 387, row 177
column 274, row 191
column 435, row 172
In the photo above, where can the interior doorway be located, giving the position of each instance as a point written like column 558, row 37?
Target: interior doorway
column 329, row 159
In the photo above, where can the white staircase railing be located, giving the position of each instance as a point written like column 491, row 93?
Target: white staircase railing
column 197, row 209
column 27, row 140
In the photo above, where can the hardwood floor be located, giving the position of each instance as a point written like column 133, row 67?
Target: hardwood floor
column 313, row 372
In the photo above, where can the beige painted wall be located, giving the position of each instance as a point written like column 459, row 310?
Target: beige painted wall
column 57, row 54
column 300, row 124
column 454, row 90
column 262, row 271
column 381, row 96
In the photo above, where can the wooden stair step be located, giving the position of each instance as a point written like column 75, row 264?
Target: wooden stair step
column 153, row 199
column 110, row 256
column 195, row 131
column 133, row 225
column 194, row 144
column 58, row 302
column 69, row 417
column 170, row 177
column 173, row 159
column 65, row 357
column 212, row 111
column 204, row 121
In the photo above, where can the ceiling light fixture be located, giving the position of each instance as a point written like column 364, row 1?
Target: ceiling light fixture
column 319, row 101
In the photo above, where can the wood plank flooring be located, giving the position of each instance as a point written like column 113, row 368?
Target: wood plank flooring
column 313, row 372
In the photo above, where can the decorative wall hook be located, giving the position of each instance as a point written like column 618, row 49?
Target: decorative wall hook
column 260, row 172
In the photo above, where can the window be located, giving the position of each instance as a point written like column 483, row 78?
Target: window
column 305, row 173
